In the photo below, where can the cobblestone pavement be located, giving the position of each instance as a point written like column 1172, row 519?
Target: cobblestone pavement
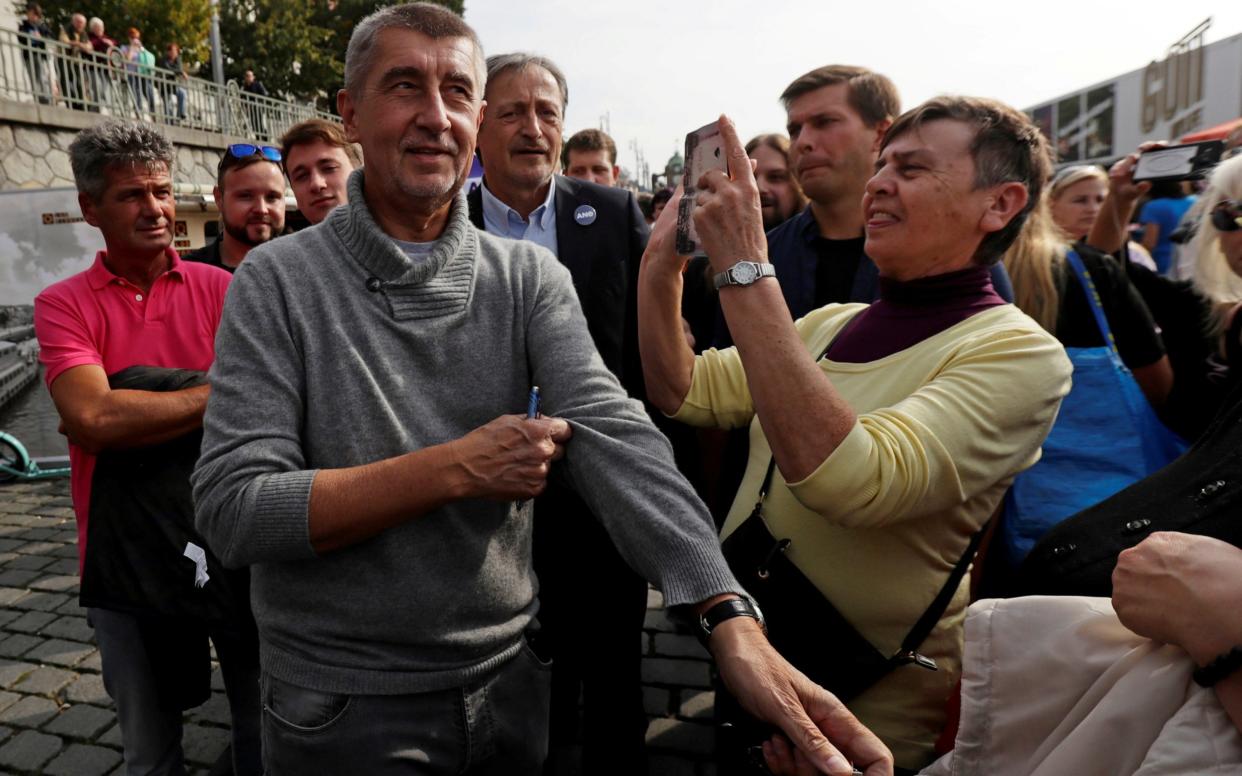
column 56, row 719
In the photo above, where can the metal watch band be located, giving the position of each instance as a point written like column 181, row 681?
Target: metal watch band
column 727, row 610
column 743, row 273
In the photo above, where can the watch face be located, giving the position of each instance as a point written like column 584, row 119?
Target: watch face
column 745, row 273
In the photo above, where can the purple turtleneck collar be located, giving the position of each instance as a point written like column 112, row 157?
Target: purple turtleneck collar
column 910, row 311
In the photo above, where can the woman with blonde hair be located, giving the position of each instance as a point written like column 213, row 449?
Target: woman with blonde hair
column 1217, row 244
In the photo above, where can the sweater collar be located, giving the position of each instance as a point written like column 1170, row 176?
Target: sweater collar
column 379, row 255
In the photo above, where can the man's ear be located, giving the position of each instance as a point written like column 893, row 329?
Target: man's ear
column 217, row 195
column 87, row 206
column 616, row 172
column 1007, row 201
column 345, row 107
column 880, row 128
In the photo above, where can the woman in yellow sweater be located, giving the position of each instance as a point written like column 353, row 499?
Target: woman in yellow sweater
column 892, row 449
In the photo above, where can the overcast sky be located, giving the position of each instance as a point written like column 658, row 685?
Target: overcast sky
column 663, row 67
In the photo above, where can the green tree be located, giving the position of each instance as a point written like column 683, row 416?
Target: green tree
column 295, row 47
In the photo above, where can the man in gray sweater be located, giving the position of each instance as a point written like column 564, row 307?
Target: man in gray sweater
column 364, row 449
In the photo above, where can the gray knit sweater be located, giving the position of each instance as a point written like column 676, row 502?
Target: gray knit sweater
column 315, row 371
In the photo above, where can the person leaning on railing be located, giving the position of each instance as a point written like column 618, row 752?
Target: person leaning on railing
column 171, row 61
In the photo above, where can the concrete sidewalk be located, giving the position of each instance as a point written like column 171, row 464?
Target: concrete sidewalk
column 56, row 719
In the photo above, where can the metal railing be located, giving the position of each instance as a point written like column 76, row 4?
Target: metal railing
column 48, row 72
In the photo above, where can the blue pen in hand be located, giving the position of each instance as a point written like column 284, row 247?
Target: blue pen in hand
column 532, row 404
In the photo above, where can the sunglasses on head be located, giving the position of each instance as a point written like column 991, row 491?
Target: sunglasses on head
column 1227, row 216
column 242, row 150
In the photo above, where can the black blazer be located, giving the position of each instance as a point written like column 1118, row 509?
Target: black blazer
column 603, row 258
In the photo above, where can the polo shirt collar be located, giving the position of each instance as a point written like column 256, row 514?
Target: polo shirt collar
column 498, row 212
column 99, row 275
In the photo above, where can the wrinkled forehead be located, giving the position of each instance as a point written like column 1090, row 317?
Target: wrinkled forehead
column 400, row 47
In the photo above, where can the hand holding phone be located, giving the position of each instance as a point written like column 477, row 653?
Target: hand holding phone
column 1178, row 163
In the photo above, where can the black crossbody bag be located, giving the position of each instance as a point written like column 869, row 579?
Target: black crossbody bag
column 804, row 626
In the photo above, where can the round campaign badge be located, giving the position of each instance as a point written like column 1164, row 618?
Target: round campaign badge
column 584, row 215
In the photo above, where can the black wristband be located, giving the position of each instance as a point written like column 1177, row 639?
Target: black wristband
column 1218, row 669
column 727, row 610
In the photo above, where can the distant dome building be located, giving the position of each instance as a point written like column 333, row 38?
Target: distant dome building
column 673, row 170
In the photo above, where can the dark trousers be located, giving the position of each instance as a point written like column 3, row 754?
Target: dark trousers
column 496, row 726
column 591, row 610
column 150, row 728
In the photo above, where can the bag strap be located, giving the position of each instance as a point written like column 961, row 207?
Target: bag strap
column 923, row 628
column 1093, row 301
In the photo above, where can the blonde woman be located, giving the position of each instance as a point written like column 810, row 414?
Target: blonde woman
column 1045, row 290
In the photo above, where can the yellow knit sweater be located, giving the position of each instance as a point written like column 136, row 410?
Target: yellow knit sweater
column 943, row 427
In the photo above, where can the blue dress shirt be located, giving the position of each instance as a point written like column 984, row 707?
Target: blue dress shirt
column 502, row 220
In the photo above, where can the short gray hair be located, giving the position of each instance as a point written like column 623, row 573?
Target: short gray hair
column 95, row 24
column 114, row 142
column 428, row 19
column 519, row 61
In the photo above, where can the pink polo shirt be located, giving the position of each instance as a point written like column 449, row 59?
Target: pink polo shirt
column 98, row 318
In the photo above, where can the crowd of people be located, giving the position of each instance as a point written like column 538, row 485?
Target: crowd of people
column 82, row 75
column 412, row 467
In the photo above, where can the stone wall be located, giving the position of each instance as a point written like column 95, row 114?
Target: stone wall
column 34, row 147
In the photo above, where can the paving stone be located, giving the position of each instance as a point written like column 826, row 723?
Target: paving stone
column 30, row 712
column 65, row 566
column 44, row 602
column 8, row 545
column 81, row 721
column 7, row 699
column 39, row 548
column 18, row 644
column 677, row 645
column 38, row 535
column 8, row 615
column 60, row 583
column 682, row 736
column 697, row 705
column 28, row 750
column 17, row 577
column 19, row 519
column 66, row 551
column 656, row 701
column 680, row 673
column 217, row 679
column 71, row 607
column 88, row 688
column 51, row 510
column 92, row 663
column 215, row 709
column 60, row 652
column 112, row 737
column 66, row 537
column 71, row 628
column 45, row 680
column 83, row 760
column 11, row 671
column 10, row 594
column 31, row 622
column 31, row 562
column 203, row 745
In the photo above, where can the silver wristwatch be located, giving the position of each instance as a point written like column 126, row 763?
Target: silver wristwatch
column 743, row 274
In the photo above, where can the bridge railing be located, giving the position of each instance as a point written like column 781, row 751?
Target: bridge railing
column 48, row 72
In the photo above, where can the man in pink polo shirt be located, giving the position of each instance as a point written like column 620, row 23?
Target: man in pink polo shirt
column 139, row 305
